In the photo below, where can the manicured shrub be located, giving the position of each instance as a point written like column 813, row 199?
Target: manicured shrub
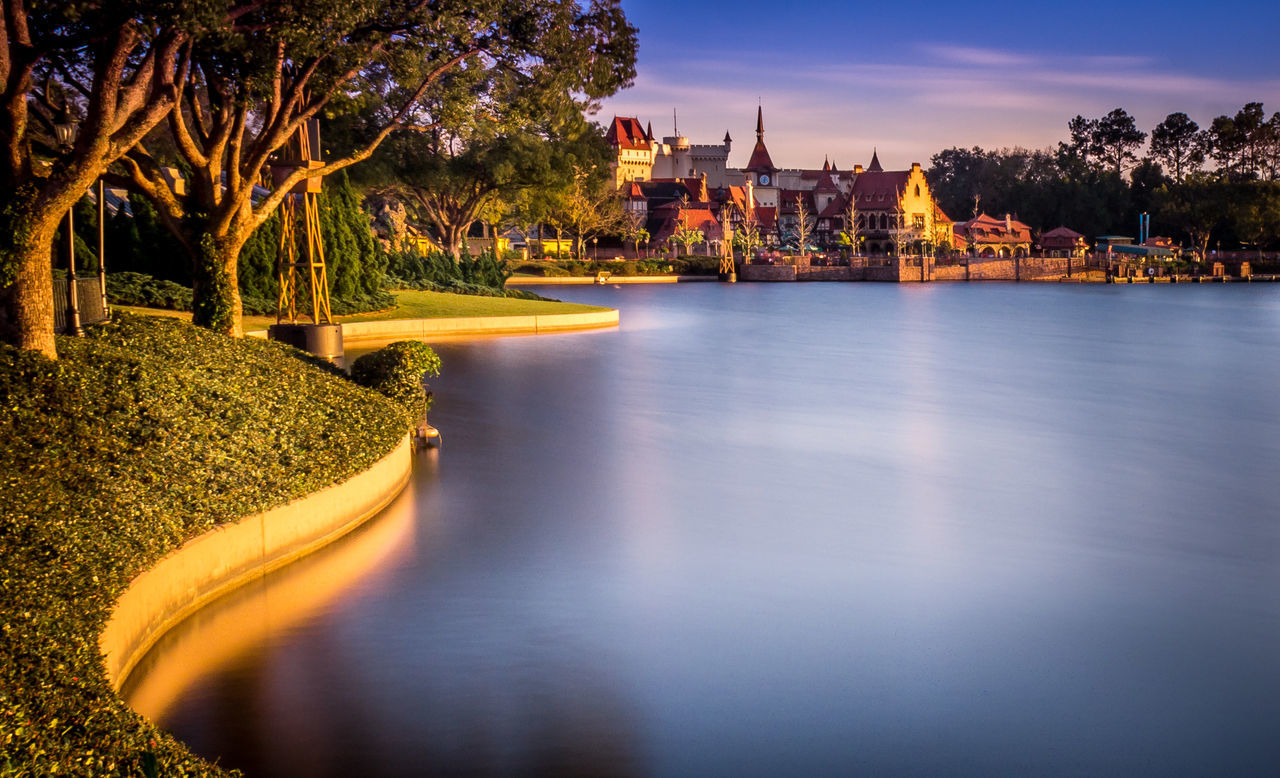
column 146, row 432
column 396, row 371
column 144, row 291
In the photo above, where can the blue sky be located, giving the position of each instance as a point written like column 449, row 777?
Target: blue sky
column 911, row 79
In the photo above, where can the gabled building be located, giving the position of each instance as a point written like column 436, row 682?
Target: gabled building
column 894, row 209
column 1063, row 242
column 986, row 236
column 638, row 156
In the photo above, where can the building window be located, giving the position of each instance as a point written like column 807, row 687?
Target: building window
column 917, row 221
column 917, row 190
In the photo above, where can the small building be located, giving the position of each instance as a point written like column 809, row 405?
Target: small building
column 989, row 237
column 1063, row 242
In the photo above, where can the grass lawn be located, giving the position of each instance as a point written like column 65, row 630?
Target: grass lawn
column 412, row 304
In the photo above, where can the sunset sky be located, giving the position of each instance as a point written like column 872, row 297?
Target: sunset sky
column 839, row 78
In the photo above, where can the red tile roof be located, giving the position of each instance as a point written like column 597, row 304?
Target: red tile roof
column 878, row 189
column 1062, row 232
column 760, row 158
column 986, row 229
column 625, row 133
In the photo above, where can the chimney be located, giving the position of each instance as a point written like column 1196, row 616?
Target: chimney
column 1008, row 223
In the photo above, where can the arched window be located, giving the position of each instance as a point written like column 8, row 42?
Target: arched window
column 917, row 190
column 884, row 221
column 862, row 221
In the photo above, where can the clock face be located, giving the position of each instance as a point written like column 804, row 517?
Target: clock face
column 764, row 179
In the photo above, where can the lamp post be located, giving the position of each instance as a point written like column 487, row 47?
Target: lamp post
column 595, row 255
column 65, row 127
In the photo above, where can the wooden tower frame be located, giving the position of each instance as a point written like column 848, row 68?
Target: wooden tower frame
column 292, row 265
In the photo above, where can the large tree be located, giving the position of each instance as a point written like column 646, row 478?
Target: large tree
column 251, row 93
column 589, row 207
column 477, row 162
column 1116, row 138
column 1178, row 143
column 118, row 67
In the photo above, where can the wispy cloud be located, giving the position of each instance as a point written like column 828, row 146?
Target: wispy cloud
column 977, row 56
column 913, row 107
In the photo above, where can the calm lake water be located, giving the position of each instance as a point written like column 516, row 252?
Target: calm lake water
column 796, row 529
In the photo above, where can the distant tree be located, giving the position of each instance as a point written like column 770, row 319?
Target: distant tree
column 634, row 231
column 589, row 207
column 956, row 176
column 804, row 226
column 1255, row 213
column 1178, row 143
column 1270, row 162
column 1116, row 137
column 1198, row 208
column 1146, row 178
column 688, row 237
column 747, row 236
column 1084, row 135
column 849, row 217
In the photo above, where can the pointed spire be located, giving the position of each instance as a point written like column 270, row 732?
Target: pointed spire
column 874, row 167
column 833, row 166
column 826, row 163
column 648, row 133
column 760, row 123
column 727, row 139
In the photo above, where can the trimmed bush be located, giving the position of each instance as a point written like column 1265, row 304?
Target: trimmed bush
column 142, row 290
column 396, row 371
column 146, row 432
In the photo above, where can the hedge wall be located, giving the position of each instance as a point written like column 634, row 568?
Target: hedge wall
column 145, row 433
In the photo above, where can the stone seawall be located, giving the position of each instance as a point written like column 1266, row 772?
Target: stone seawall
column 1019, row 269
column 766, row 273
column 231, row 555
column 892, row 271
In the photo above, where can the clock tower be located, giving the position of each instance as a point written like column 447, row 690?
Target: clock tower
column 760, row 170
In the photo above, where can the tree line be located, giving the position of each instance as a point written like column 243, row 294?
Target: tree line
column 217, row 89
column 1205, row 187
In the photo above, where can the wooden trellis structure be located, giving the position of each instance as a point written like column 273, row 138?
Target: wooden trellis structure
column 295, row 267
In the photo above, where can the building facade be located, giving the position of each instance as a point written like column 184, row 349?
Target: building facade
column 890, row 212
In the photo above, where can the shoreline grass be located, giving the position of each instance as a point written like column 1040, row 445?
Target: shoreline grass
column 413, row 304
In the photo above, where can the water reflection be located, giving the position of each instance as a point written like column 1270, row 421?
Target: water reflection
column 815, row 530
column 216, row 637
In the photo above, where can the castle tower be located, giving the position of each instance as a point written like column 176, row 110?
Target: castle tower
column 760, row 169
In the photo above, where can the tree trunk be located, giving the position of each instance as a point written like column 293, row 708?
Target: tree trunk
column 26, row 305
column 215, row 283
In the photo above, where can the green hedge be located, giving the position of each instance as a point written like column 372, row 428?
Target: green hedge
column 143, row 290
column 145, row 433
column 396, row 371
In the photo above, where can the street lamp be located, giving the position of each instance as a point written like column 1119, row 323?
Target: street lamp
column 594, row 253
column 65, row 128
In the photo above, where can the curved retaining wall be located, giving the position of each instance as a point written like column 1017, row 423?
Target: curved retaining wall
column 400, row 329
column 223, row 558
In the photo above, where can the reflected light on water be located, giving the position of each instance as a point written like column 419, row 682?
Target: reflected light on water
column 215, row 637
